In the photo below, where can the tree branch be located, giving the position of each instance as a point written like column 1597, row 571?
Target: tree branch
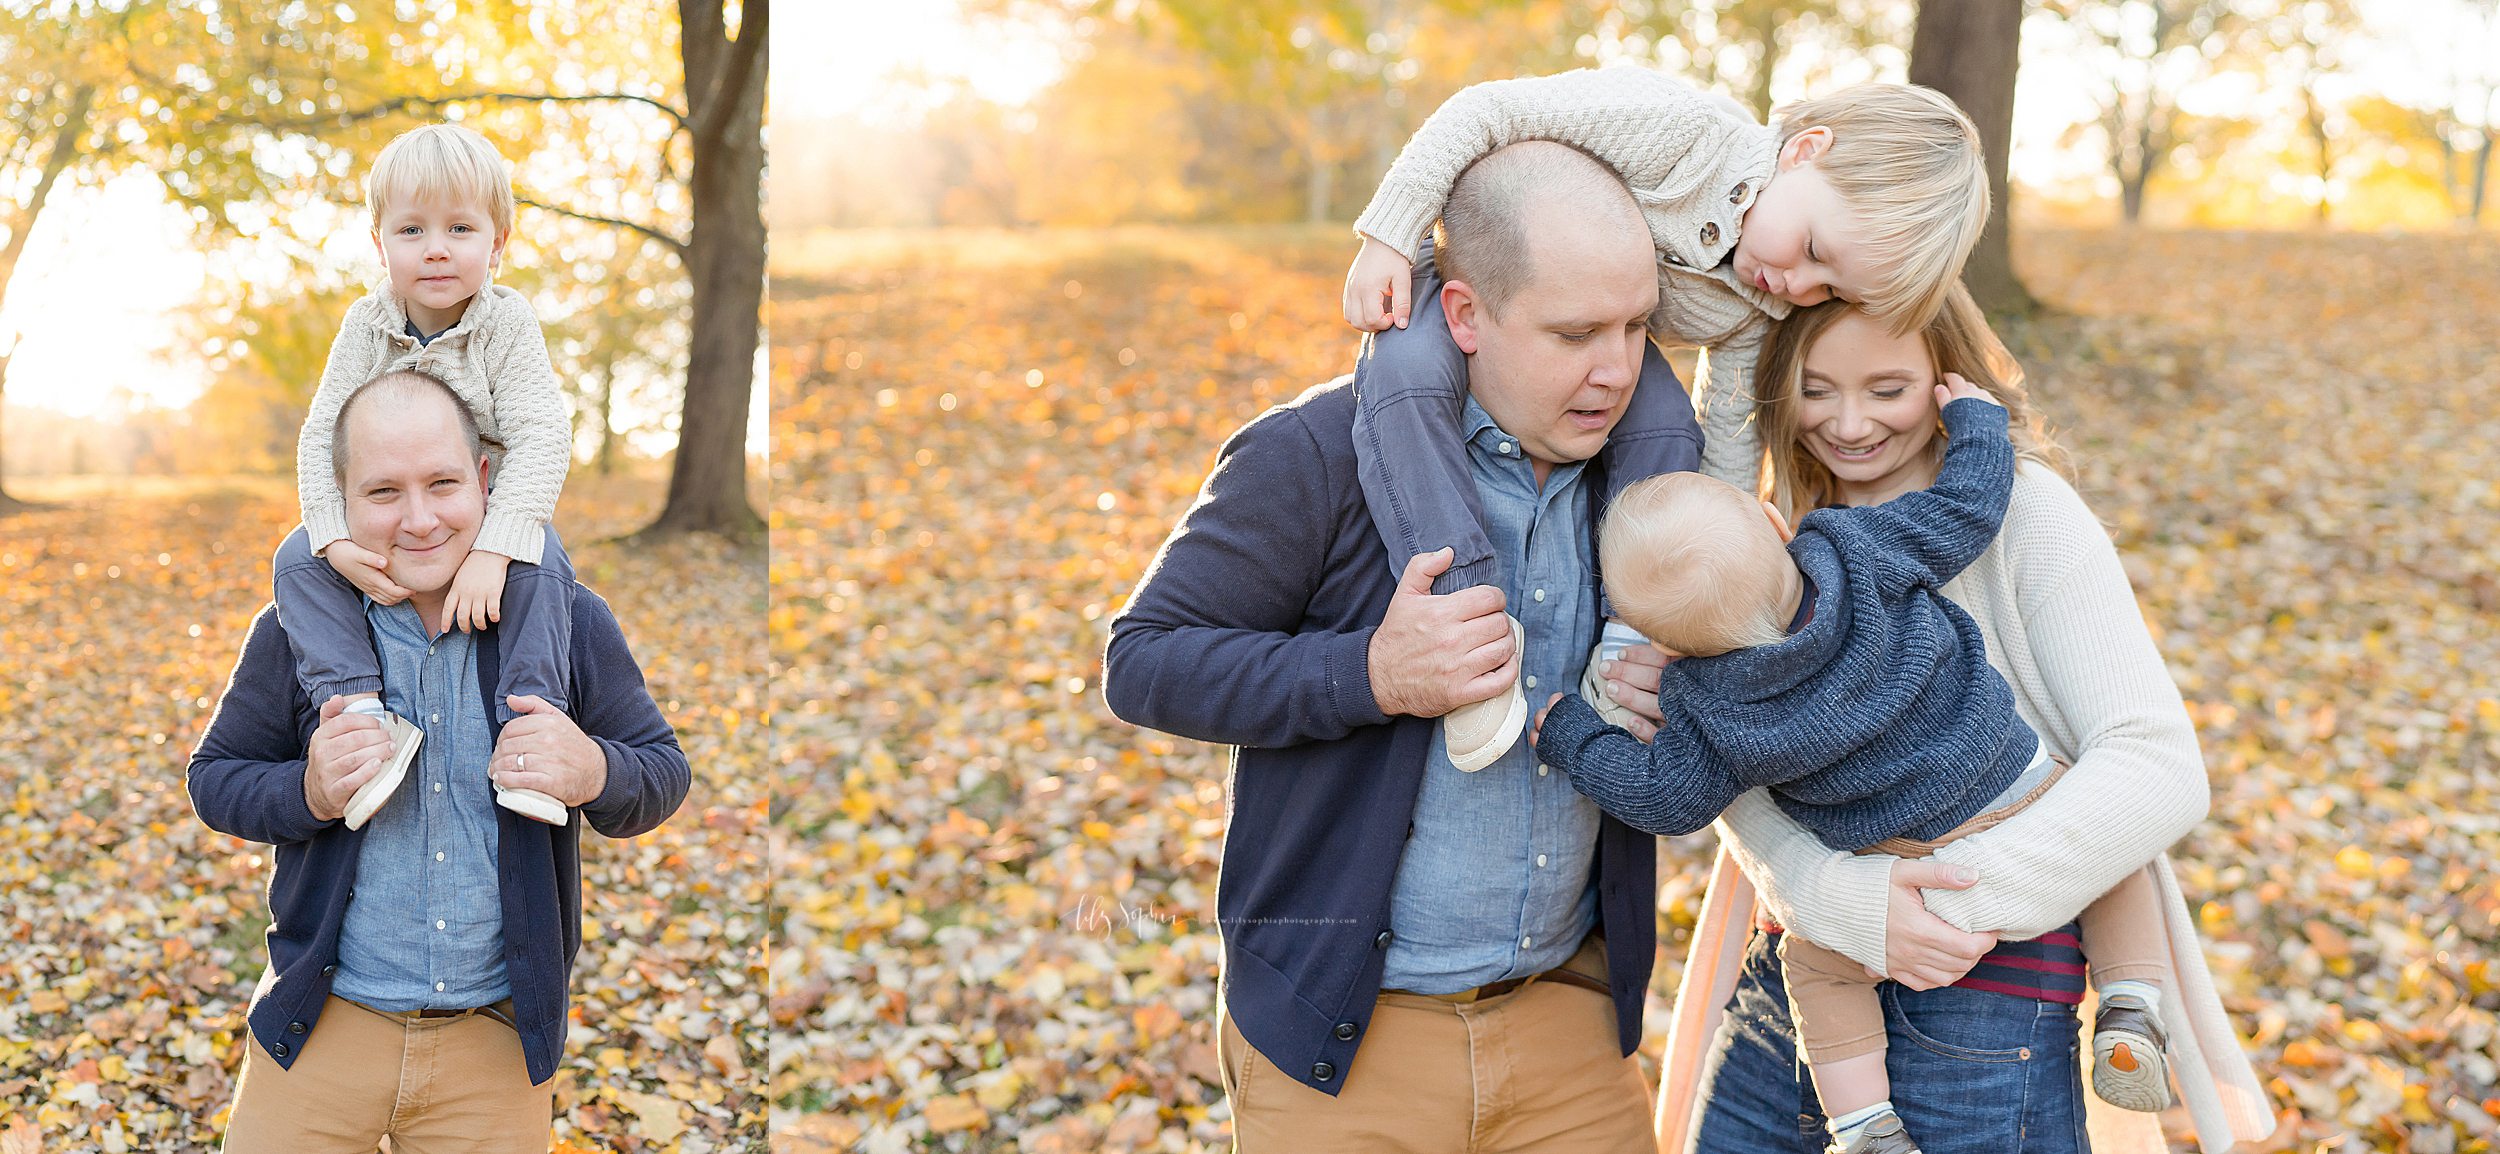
column 675, row 245
column 403, row 104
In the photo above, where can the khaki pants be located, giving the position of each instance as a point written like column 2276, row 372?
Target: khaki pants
column 1833, row 999
column 430, row 1084
column 1536, row 1069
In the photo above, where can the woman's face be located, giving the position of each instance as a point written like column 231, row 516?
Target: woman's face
column 1867, row 409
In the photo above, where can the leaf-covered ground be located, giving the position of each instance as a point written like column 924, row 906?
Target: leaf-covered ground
column 131, row 935
column 995, row 899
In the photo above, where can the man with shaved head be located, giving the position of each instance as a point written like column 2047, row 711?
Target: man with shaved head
column 416, row 986
column 1420, row 956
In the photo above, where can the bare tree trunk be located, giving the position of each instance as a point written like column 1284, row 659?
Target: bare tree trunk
column 1766, row 30
column 707, row 483
column 1968, row 50
column 1315, row 186
column 2482, row 175
column 606, row 457
column 64, row 150
column 2313, row 118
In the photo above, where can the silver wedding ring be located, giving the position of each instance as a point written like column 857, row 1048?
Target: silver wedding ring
column 525, row 761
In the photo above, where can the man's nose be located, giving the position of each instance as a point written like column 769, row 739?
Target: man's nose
column 1618, row 363
column 419, row 517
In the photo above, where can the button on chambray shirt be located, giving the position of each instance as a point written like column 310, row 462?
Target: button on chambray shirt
column 425, row 927
column 1495, row 882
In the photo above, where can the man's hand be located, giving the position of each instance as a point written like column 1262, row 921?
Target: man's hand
column 1954, row 388
column 543, row 750
column 1632, row 681
column 1433, row 654
column 1922, row 950
column 476, row 597
column 1377, row 288
column 363, row 568
column 346, row 751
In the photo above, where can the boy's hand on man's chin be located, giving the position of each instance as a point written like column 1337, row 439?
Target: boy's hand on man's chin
column 476, row 598
column 363, row 569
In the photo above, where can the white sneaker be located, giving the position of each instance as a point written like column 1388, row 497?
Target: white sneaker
column 530, row 803
column 405, row 737
column 1481, row 733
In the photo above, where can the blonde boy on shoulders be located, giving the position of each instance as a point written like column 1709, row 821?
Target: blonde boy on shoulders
column 442, row 205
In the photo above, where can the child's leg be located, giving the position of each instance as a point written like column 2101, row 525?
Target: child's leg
column 535, row 636
column 324, row 616
column 1409, row 389
column 2123, row 935
column 2125, row 938
column 1840, row 1025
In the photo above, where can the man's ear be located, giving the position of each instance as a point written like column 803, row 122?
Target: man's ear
column 1461, row 308
column 1779, row 522
column 1805, row 147
column 481, row 472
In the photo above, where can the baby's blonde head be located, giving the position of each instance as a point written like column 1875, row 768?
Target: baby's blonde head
column 1907, row 163
column 446, row 162
column 1695, row 565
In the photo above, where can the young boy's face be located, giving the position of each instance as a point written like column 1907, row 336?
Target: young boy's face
column 439, row 252
column 1799, row 240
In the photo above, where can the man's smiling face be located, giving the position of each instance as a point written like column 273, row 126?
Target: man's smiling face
column 414, row 495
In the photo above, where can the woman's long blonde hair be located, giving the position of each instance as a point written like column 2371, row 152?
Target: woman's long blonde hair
column 1958, row 341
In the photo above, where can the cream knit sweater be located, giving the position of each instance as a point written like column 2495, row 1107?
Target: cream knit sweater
column 2062, row 625
column 496, row 359
column 1695, row 162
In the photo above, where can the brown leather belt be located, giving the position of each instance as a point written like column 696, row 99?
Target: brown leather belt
column 499, row 1011
column 1506, row 985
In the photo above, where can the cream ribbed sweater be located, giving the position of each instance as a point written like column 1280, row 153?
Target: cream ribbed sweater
column 1695, row 162
column 496, row 359
column 2063, row 627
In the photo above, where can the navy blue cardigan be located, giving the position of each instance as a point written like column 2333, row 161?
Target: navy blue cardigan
column 1253, row 628
column 247, row 779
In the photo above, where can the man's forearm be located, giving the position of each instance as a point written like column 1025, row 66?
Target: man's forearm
column 1240, row 686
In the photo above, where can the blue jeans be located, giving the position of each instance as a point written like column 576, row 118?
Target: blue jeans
column 1973, row 1072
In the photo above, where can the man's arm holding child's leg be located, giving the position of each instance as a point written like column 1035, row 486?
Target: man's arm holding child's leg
column 1410, row 388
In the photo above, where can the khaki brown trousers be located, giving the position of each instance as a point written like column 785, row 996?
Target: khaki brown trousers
column 432, row 1085
column 1535, row 1069
column 1833, row 999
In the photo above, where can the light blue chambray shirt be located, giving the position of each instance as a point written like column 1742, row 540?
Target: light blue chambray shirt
column 425, row 927
column 1496, row 880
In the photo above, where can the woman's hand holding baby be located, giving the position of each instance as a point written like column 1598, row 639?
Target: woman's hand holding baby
column 1921, row 950
column 1377, row 288
column 1954, row 388
column 1632, row 681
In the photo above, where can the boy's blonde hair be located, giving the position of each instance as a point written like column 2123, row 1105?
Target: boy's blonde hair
column 1694, row 565
column 1908, row 163
column 1958, row 341
column 449, row 161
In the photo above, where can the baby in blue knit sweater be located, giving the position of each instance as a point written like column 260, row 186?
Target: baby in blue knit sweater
column 1825, row 666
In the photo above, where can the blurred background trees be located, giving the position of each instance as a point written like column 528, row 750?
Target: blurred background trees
column 2263, row 113
column 634, row 132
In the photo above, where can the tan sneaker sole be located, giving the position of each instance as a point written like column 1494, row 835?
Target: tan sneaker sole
column 368, row 799
column 532, row 804
column 2128, row 1072
column 1479, row 734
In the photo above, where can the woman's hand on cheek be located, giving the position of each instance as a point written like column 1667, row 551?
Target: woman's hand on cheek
column 1921, row 950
